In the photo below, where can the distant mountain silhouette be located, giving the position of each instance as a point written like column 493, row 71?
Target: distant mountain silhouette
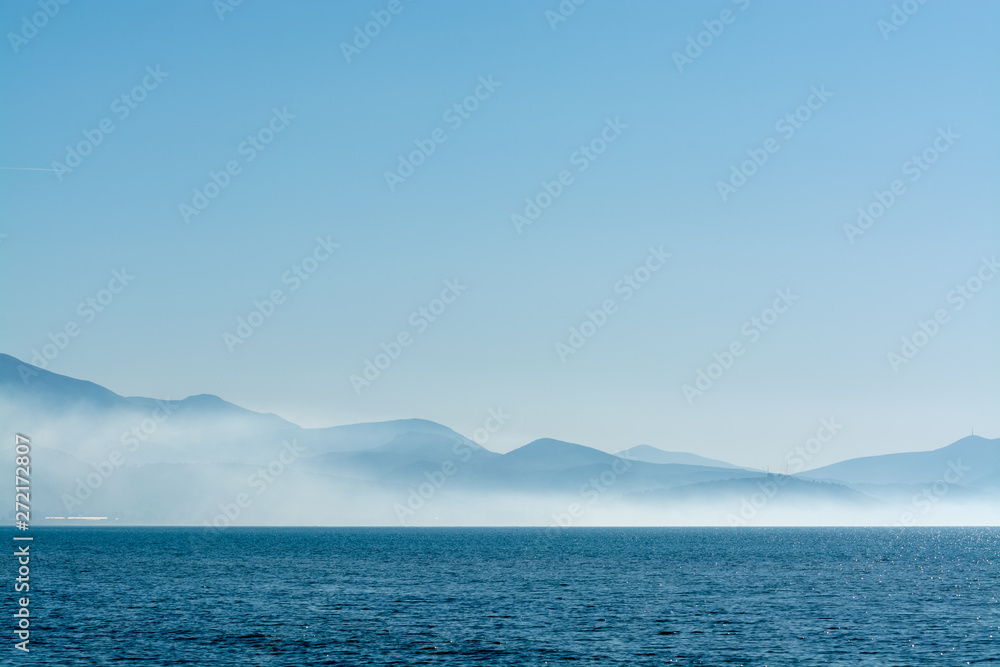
column 204, row 460
column 969, row 460
column 549, row 454
column 30, row 384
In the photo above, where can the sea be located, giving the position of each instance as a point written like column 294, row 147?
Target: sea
column 507, row 596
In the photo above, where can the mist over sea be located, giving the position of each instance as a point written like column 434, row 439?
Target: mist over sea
column 514, row 596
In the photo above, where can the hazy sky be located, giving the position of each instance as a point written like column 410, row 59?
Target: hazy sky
column 308, row 129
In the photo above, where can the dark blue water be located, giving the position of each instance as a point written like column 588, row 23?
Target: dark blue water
column 754, row 596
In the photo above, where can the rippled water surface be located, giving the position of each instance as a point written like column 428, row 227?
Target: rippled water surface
column 602, row 596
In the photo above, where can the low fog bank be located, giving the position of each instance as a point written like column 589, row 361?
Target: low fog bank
column 204, row 462
column 295, row 490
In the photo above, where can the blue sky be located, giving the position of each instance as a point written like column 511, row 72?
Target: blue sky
column 343, row 125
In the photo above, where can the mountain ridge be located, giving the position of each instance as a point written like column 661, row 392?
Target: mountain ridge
column 147, row 460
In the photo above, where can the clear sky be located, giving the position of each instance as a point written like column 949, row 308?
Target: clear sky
column 329, row 121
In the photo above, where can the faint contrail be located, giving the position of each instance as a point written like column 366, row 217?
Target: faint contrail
column 32, row 169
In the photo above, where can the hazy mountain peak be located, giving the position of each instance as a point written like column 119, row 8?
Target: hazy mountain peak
column 24, row 382
column 212, row 403
column 964, row 461
column 553, row 445
column 550, row 453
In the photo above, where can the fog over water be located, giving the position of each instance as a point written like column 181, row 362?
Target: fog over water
column 203, row 461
